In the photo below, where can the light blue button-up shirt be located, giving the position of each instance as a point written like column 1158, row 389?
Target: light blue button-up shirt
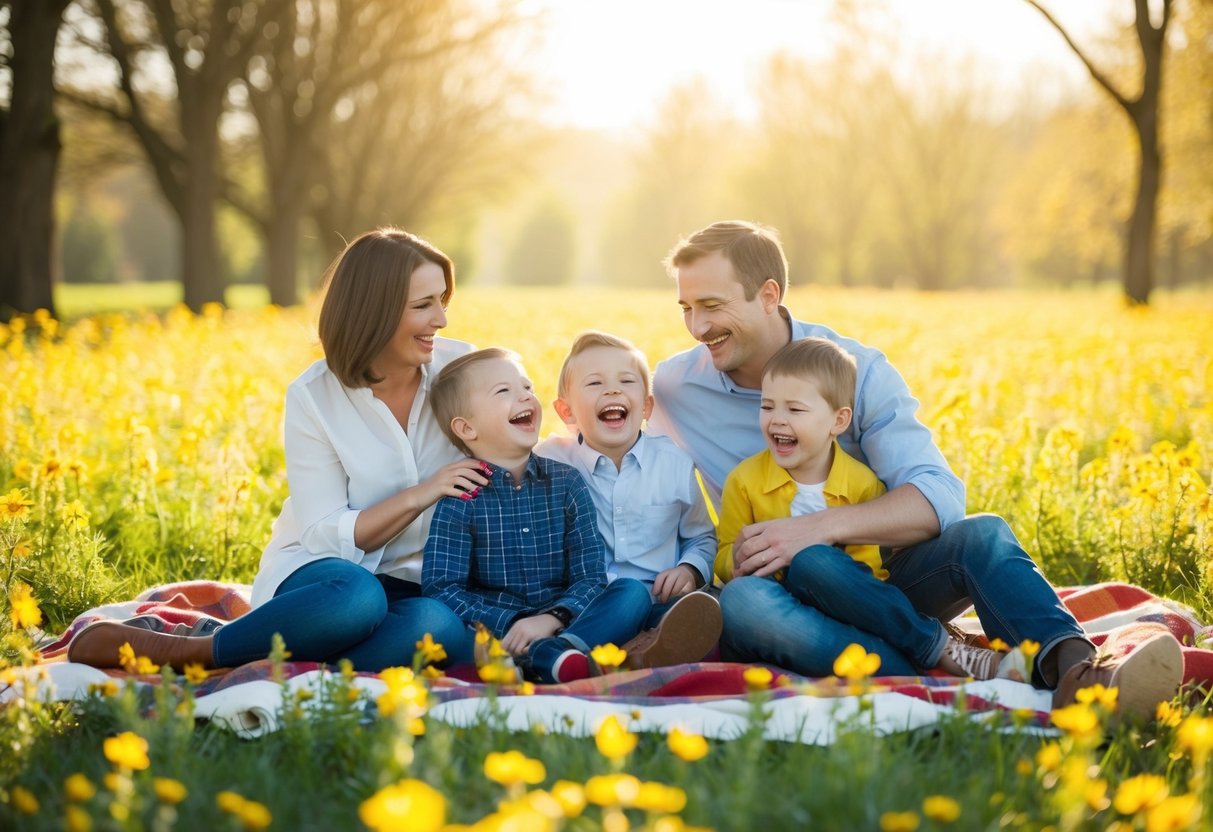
column 651, row 512
column 716, row 421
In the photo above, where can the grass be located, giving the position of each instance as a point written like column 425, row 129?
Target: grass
column 137, row 449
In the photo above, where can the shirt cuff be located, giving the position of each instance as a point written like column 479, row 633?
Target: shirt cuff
column 345, row 536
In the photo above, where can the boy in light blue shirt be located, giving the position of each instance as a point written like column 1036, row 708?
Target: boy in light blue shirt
column 651, row 511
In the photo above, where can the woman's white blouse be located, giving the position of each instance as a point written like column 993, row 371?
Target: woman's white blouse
column 345, row 451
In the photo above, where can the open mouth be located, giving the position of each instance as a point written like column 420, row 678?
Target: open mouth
column 525, row 419
column 783, row 443
column 716, row 340
column 613, row 415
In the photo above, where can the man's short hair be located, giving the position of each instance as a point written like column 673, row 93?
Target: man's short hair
column 753, row 249
column 831, row 367
column 449, row 394
column 591, row 339
column 367, row 289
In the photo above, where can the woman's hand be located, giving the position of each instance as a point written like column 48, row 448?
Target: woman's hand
column 462, row 478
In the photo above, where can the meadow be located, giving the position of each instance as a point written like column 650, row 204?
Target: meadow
column 141, row 448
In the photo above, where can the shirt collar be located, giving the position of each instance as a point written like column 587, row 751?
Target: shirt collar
column 774, row 477
column 534, row 471
column 591, row 458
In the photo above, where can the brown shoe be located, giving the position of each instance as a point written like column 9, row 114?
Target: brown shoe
column 686, row 633
column 98, row 644
column 1145, row 675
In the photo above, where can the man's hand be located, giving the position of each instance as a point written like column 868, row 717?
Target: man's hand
column 526, row 630
column 764, row 548
column 671, row 583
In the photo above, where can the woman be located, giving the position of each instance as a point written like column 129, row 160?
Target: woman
column 366, row 463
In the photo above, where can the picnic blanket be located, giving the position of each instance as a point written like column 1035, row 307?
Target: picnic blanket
column 709, row 698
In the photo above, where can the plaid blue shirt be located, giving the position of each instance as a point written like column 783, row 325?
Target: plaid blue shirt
column 517, row 548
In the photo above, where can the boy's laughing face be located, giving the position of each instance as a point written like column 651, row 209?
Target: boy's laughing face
column 607, row 399
column 503, row 414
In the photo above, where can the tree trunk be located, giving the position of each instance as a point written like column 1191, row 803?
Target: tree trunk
column 29, row 156
column 1139, row 256
column 282, row 254
column 200, row 277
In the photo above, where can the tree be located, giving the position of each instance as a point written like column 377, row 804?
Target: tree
column 29, row 153
column 543, row 252
column 1143, row 112
column 325, row 64
column 206, row 46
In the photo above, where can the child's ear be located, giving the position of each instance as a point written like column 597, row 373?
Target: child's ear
column 462, row 428
column 648, row 406
column 842, row 421
column 564, row 412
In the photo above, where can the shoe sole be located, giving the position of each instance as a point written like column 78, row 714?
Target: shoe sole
column 1149, row 675
column 687, row 633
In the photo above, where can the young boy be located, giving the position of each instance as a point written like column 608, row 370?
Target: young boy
column 521, row 555
column 807, row 388
column 651, row 511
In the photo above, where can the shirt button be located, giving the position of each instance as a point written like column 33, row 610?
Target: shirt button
column 518, row 488
column 525, row 529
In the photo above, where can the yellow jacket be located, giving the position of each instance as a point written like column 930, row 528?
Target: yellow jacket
column 758, row 489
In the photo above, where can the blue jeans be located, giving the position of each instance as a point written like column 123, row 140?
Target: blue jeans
column 824, row 604
column 333, row 609
column 614, row 617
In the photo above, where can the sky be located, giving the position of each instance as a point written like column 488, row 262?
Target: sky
column 609, row 63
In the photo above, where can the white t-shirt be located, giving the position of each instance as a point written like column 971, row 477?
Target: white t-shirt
column 809, row 498
column 345, row 451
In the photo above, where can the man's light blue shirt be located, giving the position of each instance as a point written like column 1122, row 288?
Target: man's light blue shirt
column 716, row 421
column 651, row 512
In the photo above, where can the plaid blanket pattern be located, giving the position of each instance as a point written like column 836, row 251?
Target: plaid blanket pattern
column 199, row 606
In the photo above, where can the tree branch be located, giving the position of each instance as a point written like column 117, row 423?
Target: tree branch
column 1098, row 75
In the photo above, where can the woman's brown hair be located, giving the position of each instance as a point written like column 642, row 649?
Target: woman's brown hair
column 367, row 288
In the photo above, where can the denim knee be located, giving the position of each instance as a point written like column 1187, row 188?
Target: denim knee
column 362, row 599
column 744, row 607
column 820, row 567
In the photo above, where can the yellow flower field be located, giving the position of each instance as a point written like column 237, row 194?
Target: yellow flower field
column 135, row 450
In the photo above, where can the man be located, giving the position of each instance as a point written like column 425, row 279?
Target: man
column 731, row 279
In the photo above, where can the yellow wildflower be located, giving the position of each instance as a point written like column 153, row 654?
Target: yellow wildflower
column 23, row 800
column 612, row 790
column 430, row 651
column 229, row 802
column 855, row 663
column 13, row 505
column 1139, row 793
column 1174, row 814
column 195, row 673
column 512, row 767
column 22, row 549
column 899, row 822
column 127, row 750
column 941, row 808
column 686, row 746
column 79, row 788
column 1168, row 714
column 77, row 819
column 409, row 804
column 570, row 796
column 254, row 816
column 75, row 516
column 23, row 607
column 51, row 468
column 1195, row 735
column 999, row 646
column 658, row 797
column 1029, row 648
column 608, row 656
column 1078, row 720
column 1097, row 694
column 613, row 739
column 757, row 678
column 168, row 790
column 1095, row 793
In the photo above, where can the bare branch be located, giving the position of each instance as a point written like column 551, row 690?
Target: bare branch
column 1096, row 73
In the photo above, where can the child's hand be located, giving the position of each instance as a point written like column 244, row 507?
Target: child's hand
column 674, row 582
column 462, row 479
column 526, row 630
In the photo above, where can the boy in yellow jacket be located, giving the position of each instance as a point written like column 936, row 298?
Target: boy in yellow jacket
column 807, row 388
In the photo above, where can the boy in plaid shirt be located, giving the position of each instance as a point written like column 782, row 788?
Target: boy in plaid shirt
column 521, row 555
